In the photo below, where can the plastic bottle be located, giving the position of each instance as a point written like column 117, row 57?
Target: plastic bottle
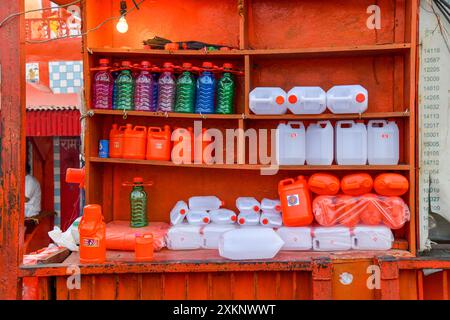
column 138, row 204
column 248, row 219
column 347, row 99
column 295, row 202
column 291, row 143
column 115, row 73
column 205, row 203
column 155, row 88
column 272, row 220
column 307, row 100
column 92, row 231
column 248, row 205
column 159, row 144
column 372, row 238
column 270, row 206
column 205, row 90
column 185, row 99
column 332, row 239
column 143, row 93
column 225, row 91
column 166, row 89
column 103, row 87
column 198, row 217
column 268, row 100
column 252, row 243
column 116, row 141
column 179, row 212
column 296, row 238
column 383, row 146
column 124, row 88
column 320, row 143
column 351, row 143
column 223, row 216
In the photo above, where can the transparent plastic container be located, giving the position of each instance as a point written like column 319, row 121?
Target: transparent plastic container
column 184, row 237
column 270, row 206
column 383, row 146
column 248, row 219
column 179, row 212
column 198, row 217
column 372, row 238
column 320, row 143
column 307, row 100
column 248, row 205
column 291, row 143
column 212, row 232
column 296, row 238
column 332, row 239
column 205, row 203
column 347, row 99
column 223, row 216
column 351, row 143
column 272, row 220
column 268, row 100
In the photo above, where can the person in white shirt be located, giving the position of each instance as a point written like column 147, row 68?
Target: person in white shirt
column 32, row 194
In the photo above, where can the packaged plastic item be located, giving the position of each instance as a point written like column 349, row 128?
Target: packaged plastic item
column 383, row 146
column 248, row 219
column 225, row 91
column 212, row 232
column 63, row 239
column 268, row 100
column 143, row 93
column 324, row 184
column 184, row 237
column 332, row 239
column 179, row 212
column 116, row 141
column 398, row 212
column 198, row 217
column 372, row 238
column 391, row 184
column 143, row 250
column 272, row 220
column 349, row 210
column 296, row 238
column 186, row 83
column 103, row 86
column 373, row 209
column 166, row 88
column 270, row 206
column 92, row 235
column 339, row 209
column 291, row 143
column 252, row 243
column 295, row 202
column 159, row 144
column 124, row 96
column 320, row 143
column 74, row 230
column 205, row 203
column 134, row 142
column 248, row 205
column 307, row 100
column 223, row 216
column 351, row 143
column 356, row 184
column 205, row 90
column 347, row 99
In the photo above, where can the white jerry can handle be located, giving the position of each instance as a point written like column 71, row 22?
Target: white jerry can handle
column 299, row 123
column 270, row 99
column 342, row 98
column 383, row 122
column 354, row 242
column 316, row 244
column 312, row 99
column 351, row 122
column 327, row 123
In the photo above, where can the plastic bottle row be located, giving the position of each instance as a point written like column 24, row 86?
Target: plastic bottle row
column 350, row 143
column 149, row 88
column 309, row 100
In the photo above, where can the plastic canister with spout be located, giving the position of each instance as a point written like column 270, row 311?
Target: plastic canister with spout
column 291, row 143
column 357, row 184
column 270, row 206
column 295, row 238
column 307, row 100
column 372, row 238
column 272, row 220
column 198, row 217
column 92, row 231
column 324, row 184
column 391, row 184
column 134, row 142
column 295, row 201
column 179, row 212
column 248, row 219
column 143, row 250
column 347, row 99
column 116, row 141
column 320, row 143
column 268, row 100
column 223, row 216
column 248, row 205
column 332, row 239
column 159, row 144
column 205, row 203
column 383, row 146
column 351, row 143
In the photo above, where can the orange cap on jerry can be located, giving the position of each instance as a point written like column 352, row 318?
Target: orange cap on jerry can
column 279, row 100
column 292, row 99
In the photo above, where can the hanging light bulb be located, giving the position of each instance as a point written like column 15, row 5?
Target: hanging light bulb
column 122, row 25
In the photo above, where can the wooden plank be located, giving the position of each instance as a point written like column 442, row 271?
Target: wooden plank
column 56, row 257
column 244, row 286
column 330, row 116
column 243, row 24
column 197, row 286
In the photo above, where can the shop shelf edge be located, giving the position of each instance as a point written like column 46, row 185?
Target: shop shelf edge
column 330, row 116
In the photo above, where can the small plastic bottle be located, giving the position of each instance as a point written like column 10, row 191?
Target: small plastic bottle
column 206, row 87
column 205, row 203
column 225, row 91
column 198, row 217
column 166, row 88
column 143, row 93
column 103, row 87
column 223, row 216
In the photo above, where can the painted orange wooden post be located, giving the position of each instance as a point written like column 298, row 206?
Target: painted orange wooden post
column 321, row 279
column 12, row 166
column 389, row 277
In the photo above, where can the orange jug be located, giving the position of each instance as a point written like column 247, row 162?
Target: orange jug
column 116, row 141
column 357, row 184
column 323, row 184
column 143, row 249
column 295, row 202
column 391, row 184
column 159, row 143
column 92, row 231
column 180, row 152
column 373, row 209
column 134, row 142
column 348, row 210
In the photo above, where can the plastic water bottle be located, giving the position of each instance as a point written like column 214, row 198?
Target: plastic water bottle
column 307, row 100
column 383, row 146
column 296, row 238
column 291, row 143
column 166, row 89
column 103, row 87
column 124, row 88
column 143, row 94
column 179, row 212
column 270, row 206
column 185, row 99
column 272, row 220
column 155, row 86
column 268, row 100
column 225, row 91
column 320, row 143
column 347, row 99
column 248, row 205
column 205, row 203
column 206, row 87
column 351, row 143
column 248, row 219
column 223, row 216
column 251, row 243
column 198, row 217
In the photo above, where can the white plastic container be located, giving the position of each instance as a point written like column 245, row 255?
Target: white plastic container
column 307, row 100
column 383, row 146
column 205, row 203
column 351, row 143
column 251, row 243
column 296, row 238
column 248, row 205
column 272, row 220
column 332, row 239
column 291, row 143
column 268, row 100
column 184, row 237
column 223, row 216
column 248, row 219
column 347, row 99
column 372, row 238
column 270, row 206
column 179, row 212
column 212, row 232
column 198, row 217
column 320, row 143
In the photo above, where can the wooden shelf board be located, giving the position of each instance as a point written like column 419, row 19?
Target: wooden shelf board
column 330, row 116
column 167, row 114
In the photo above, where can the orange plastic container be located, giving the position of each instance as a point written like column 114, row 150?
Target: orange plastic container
column 391, row 184
column 75, row 175
column 143, row 250
column 92, row 231
column 159, row 144
column 134, row 142
column 116, row 141
column 295, row 202
column 324, row 184
column 357, row 184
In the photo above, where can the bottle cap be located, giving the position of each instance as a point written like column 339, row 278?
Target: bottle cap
column 256, row 208
column 227, row 66
column 360, row 97
column 167, row 65
column 104, row 61
column 145, row 64
column 279, row 100
column 233, row 218
column 126, row 63
column 92, row 211
column 206, row 220
column 278, row 208
column 186, row 65
column 138, row 180
column 292, row 99
column 265, row 221
column 207, row 65
column 241, row 220
column 182, row 211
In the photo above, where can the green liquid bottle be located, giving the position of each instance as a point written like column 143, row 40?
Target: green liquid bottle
column 138, row 203
column 225, row 92
column 185, row 98
column 124, row 97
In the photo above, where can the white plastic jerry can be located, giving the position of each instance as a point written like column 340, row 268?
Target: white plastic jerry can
column 268, row 100
column 307, row 100
column 184, row 237
column 332, row 239
column 179, row 212
column 248, row 219
column 383, row 142
column 291, row 143
column 347, row 99
column 198, row 217
column 372, row 238
column 320, row 143
column 212, row 233
column 296, row 238
column 248, row 205
column 223, row 216
column 272, row 220
column 270, row 206
column 351, row 143
column 251, row 243
column 205, row 203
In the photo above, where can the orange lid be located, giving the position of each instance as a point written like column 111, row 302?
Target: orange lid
column 104, row 61
column 207, row 65
column 241, row 220
column 182, row 211
column 205, row 219
column 227, row 66
column 138, row 180
column 126, row 63
column 360, row 97
column 145, row 64
column 92, row 212
column 233, row 218
column 292, row 98
column 279, row 100
column 256, row 208
column 265, row 221
column 167, row 65
column 186, row 65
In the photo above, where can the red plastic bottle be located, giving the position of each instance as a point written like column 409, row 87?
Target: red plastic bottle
column 295, row 202
column 92, row 230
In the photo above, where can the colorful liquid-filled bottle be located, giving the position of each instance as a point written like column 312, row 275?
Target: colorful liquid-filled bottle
column 138, row 204
column 124, row 88
column 103, row 87
column 206, row 87
column 225, row 91
column 185, row 99
column 143, row 93
column 115, row 73
column 166, row 88
column 155, row 85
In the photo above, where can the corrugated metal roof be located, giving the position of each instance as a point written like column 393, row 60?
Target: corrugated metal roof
column 53, row 123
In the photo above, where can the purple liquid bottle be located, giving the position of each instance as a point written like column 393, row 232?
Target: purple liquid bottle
column 166, row 88
column 143, row 94
column 103, row 87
